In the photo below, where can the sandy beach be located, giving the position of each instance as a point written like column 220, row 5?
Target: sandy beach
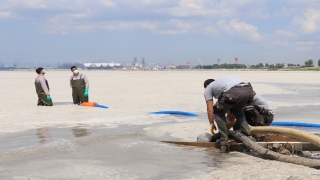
column 67, row 141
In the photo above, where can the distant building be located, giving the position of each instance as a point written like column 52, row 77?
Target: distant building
column 172, row 66
column 218, row 61
column 143, row 62
column 135, row 61
column 236, row 61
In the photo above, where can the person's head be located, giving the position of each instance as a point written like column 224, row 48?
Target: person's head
column 207, row 82
column 40, row 70
column 74, row 70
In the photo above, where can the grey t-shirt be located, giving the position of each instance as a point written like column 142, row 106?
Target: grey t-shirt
column 42, row 80
column 260, row 101
column 221, row 85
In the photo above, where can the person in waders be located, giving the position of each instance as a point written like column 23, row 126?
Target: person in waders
column 232, row 95
column 42, row 88
column 258, row 113
column 80, row 86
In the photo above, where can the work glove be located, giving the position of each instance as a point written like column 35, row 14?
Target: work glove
column 212, row 128
column 48, row 97
column 86, row 92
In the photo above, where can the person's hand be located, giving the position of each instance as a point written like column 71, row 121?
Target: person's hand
column 86, row 92
column 48, row 97
column 212, row 128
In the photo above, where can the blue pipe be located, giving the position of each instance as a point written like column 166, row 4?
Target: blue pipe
column 101, row 106
column 299, row 124
column 175, row 113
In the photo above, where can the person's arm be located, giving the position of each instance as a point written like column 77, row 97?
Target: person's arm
column 43, row 84
column 210, row 111
column 86, row 81
column 71, row 82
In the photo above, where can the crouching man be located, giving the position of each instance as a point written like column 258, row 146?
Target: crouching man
column 258, row 112
column 232, row 94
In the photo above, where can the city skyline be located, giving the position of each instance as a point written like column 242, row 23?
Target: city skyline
column 162, row 31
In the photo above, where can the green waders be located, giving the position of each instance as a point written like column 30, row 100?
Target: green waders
column 42, row 97
column 78, row 88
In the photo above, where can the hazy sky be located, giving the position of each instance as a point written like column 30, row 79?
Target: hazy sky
column 48, row 31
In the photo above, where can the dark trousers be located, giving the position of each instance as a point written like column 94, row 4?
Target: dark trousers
column 78, row 95
column 42, row 100
column 234, row 100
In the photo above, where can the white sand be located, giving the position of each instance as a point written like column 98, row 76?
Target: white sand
column 131, row 95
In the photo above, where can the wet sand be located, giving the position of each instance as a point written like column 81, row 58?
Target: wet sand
column 72, row 142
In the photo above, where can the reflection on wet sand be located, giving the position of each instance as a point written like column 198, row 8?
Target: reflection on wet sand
column 79, row 131
column 44, row 135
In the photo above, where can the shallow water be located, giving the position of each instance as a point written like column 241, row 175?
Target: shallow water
column 125, row 154
column 301, row 93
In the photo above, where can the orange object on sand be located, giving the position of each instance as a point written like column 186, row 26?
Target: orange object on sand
column 90, row 104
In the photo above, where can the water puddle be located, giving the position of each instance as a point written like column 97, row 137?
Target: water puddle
column 50, row 152
column 45, row 135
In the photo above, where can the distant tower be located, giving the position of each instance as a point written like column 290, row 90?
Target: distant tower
column 143, row 62
column 135, row 61
column 236, row 61
column 218, row 61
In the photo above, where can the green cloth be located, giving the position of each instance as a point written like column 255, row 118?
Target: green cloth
column 78, row 89
column 42, row 97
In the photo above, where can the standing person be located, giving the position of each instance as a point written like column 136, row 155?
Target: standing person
column 42, row 88
column 80, row 86
column 233, row 94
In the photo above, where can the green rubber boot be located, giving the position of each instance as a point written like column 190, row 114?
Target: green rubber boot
column 245, row 129
column 223, row 141
column 223, row 129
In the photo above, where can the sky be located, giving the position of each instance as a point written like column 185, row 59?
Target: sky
column 161, row 31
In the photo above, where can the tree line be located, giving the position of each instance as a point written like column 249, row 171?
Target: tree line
column 308, row 63
column 222, row 66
